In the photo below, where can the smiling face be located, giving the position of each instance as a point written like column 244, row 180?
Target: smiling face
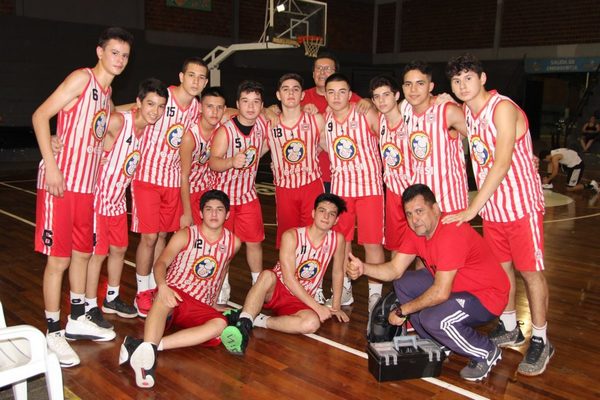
column 422, row 217
column 325, row 216
column 417, row 88
column 323, row 69
column 152, row 107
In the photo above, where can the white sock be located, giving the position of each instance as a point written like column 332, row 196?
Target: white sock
column 143, row 282
column 254, row 276
column 347, row 282
column 244, row 314
column 509, row 319
column 53, row 316
column 540, row 332
column 151, row 281
column 261, row 321
column 375, row 288
column 160, row 346
column 112, row 292
column 90, row 303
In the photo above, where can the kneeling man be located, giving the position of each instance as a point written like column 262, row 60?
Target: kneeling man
column 462, row 286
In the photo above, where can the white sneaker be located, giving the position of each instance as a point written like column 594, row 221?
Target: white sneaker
column 373, row 299
column 595, row 186
column 225, row 292
column 59, row 346
column 83, row 328
column 347, row 298
column 547, row 186
column 320, row 297
column 143, row 363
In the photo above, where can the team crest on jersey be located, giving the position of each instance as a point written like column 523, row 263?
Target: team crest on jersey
column 480, row 151
column 174, row 135
column 294, row 151
column 420, row 145
column 99, row 124
column 344, row 148
column 251, row 156
column 391, row 155
column 131, row 163
column 308, row 269
column 205, row 267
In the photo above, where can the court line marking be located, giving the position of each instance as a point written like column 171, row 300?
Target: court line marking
column 321, row 339
column 17, row 188
column 21, row 181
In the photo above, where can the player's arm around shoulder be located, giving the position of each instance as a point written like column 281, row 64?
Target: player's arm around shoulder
column 373, row 120
column 115, row 124
column 455, row 119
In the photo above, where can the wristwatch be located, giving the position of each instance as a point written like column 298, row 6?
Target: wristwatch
column 398, row 312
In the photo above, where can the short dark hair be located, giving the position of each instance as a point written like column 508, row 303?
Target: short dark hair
column 543, row 154
column 338, row 77
column 330, row 56
column 418, row 189
column 214, row 194
column 383, row 80
column 193, row 60
column 419, row 65
column 334, row 199
column 212, row 91
column 464, row 63
column 250, row 87
column 152, row 85
column 291, row 75
column 114, row 32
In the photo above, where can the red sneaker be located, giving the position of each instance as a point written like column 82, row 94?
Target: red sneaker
column 143, row 302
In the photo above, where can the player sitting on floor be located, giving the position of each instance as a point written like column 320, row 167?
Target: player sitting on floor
column 197, row 258
column 288, row 289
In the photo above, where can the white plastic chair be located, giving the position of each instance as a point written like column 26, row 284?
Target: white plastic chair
column 24, row 354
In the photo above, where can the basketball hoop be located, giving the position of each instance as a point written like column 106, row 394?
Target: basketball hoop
column 311, row 44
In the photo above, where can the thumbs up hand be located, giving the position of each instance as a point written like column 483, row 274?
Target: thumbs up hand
column 355, row 267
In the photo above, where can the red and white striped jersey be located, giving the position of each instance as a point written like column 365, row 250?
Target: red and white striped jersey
column 395, row 154
column 239, row 184
column 311, row 261
column 437, row 159
column 520, row 192
column 202, row 178
column 294, row 153
column 81, row 130
column 354, row 155
column 116, row 173
column 200, row 268
column 160, row 148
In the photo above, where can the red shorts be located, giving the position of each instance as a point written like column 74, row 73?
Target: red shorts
column 283, row 302
column 195, row 204
column 395, row 221
column 245, row 221
column 368, row 211
column 64, row 224
column 520, row 241
column 191, row 313
column 295, row 206
column 155, row 208
column 110, row 231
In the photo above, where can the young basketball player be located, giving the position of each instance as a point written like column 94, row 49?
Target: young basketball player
column 64, row 207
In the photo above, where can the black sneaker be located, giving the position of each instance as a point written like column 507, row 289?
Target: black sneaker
column 97, row 318
column 143, row 363
column 119, row 307
column 503, row 338
column 232, row 315
column 537, row 357
column 235, row 338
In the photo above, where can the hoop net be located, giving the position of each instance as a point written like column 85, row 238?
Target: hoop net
column 311, row 44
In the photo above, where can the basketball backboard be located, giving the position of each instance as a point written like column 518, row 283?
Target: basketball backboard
column 288, row 19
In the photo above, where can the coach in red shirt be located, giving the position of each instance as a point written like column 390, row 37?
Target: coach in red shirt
column 462, row 286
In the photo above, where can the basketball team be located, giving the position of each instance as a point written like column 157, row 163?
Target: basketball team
column 394, row 169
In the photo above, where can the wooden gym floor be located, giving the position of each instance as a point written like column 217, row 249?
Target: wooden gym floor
column 331, row 364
